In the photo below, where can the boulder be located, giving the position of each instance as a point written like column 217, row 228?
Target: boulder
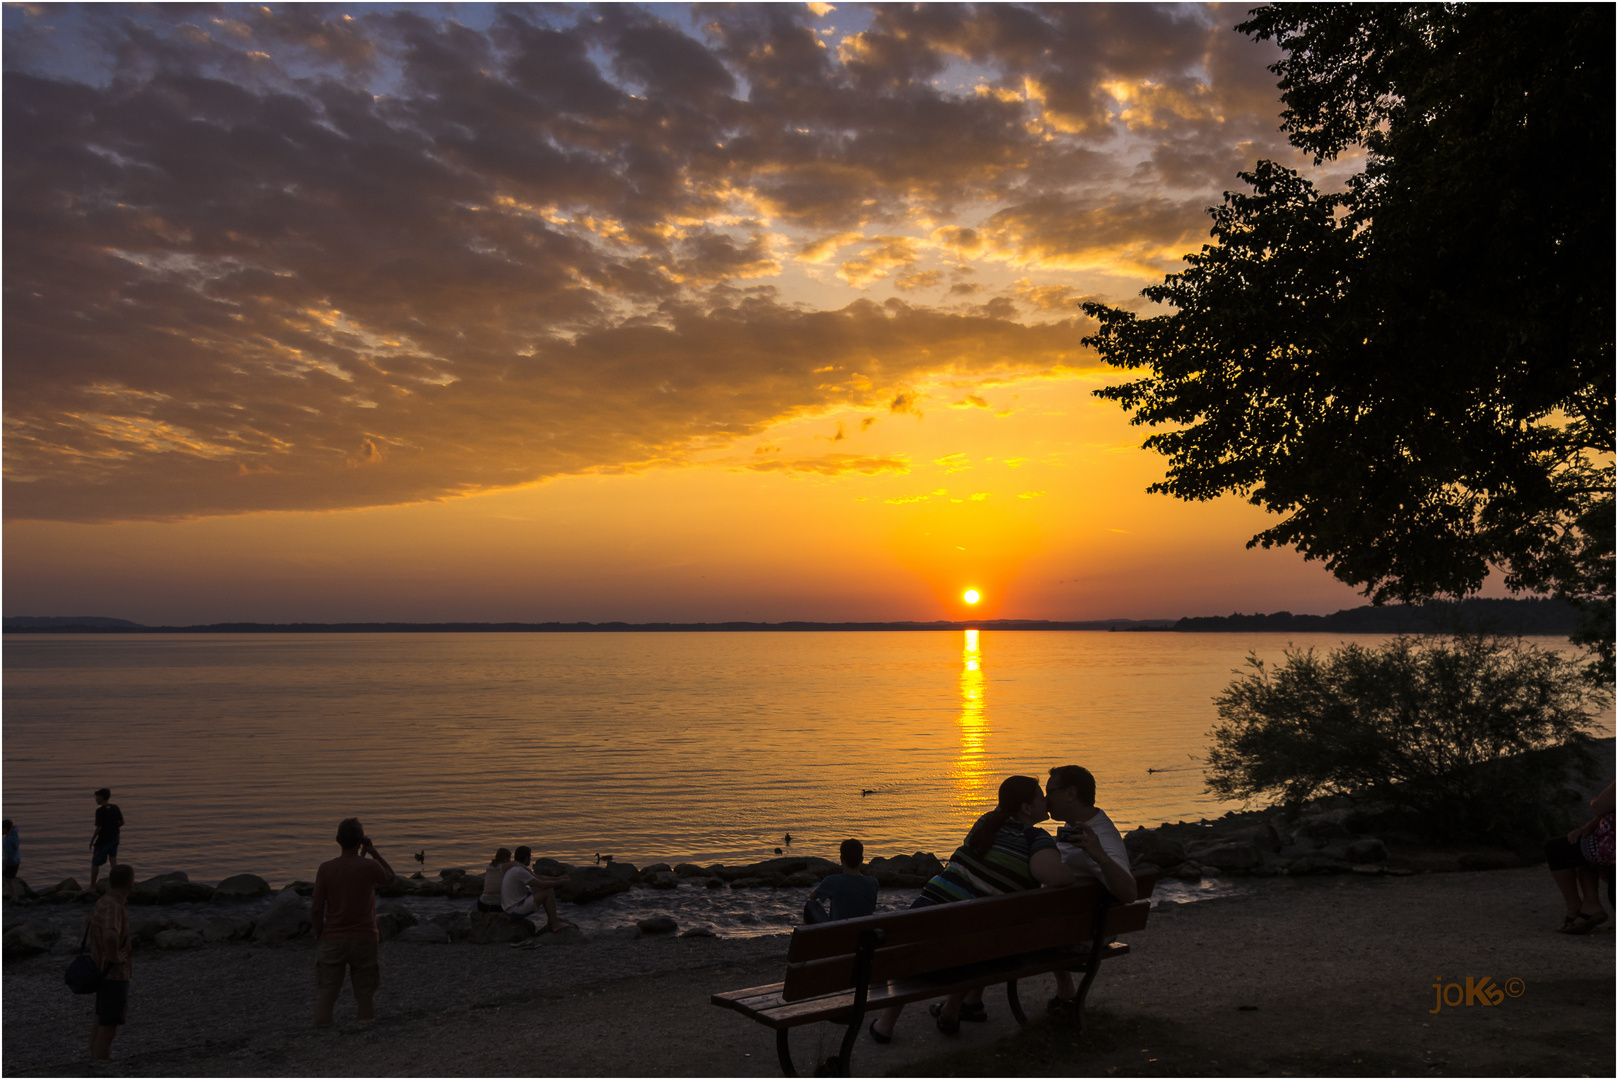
column 28, row 939
column 469, row 887
column 789, row 864
column 179, row 939
column 1226, row 855
column 1265, row 837
column 714, row 883
column 622, row 871
column 399, row 886
column 647, row 873
column 454, row 923
column 1368, row 850
column 803, row 879
column 1318, row 863
column 302, row 888
column 657, row 924
column 68, row 885
column 286, row 918
column 487, row 928
column 144, row 931
column 699, row 931
column 454, row 874
column 1151, row 845
column 392, row 919
column 145, row 892
column 664, row 879
column 424, row 934
column 591, row 883
column 184, row 892
column 1323, row 831
column 242, row 886
column 549, row 867
column 686, row 869
column 904, row 871
column 430, row 887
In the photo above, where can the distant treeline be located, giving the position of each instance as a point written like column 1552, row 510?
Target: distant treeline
column 1496, row 616
column 1439, row 617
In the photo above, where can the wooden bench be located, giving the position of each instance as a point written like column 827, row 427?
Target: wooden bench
column 839, row 971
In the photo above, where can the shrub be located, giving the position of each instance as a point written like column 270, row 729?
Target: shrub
column 1441, row 729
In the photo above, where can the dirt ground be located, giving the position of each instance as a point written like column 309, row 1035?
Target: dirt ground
column 1322, row 976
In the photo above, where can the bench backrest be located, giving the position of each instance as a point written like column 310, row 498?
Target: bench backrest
column 820, row 958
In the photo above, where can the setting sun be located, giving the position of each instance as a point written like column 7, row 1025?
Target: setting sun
column 971, row 596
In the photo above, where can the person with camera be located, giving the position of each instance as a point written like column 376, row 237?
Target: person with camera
column 107, row 931
column 344, row 919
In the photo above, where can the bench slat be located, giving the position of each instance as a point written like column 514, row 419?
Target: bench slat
column 979, row 944
column 773, row 1012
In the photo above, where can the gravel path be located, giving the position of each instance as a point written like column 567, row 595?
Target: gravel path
column 1312, row 975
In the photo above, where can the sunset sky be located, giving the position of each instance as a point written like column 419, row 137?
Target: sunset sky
column 643, row 313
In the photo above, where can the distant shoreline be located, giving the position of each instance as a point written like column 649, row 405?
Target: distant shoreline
column 1536, row 616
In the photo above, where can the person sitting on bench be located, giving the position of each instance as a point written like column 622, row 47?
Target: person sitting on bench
column 1004, row 853
column 851, row 893
column 1090, row 844
column 523, row 894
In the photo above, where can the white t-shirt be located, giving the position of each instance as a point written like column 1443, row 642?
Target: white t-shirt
column 1111, row 842
column 514, row 887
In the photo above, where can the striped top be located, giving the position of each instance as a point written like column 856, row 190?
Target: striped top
column 1002, row 869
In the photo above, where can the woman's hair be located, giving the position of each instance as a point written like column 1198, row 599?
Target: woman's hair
column 1014, row 791
column 500, row 856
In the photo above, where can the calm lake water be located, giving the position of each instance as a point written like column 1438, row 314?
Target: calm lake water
column 232, row 753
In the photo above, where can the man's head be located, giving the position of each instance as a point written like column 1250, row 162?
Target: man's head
column 121, row 878
column 103, row 794
column 350, row 833
column 1071, row 792
column 852, row 853
column 522, row 855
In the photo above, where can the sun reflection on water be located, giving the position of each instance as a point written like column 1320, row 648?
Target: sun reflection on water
column 970, row 771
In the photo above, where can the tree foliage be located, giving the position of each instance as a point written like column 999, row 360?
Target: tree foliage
column 1444, row 730
column 1416, row 371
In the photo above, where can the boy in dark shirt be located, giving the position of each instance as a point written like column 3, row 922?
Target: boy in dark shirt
column 851, row 893
column 104, row 841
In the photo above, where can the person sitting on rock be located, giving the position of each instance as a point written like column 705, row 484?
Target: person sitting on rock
column 493, row 878
column 523, row 894
column 1577, row 860
column 850, row 892
column 1090, row 845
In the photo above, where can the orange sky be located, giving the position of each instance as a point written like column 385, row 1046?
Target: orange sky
column 623, row 313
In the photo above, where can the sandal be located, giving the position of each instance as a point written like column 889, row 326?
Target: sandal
column 878, row 1036
column 1586, row 923
column 946, row 1026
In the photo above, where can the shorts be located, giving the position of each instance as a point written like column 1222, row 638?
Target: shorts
column 357, row 956
column 491, row 909
column 103, row 852
column 520, row 911
column 112, row 1002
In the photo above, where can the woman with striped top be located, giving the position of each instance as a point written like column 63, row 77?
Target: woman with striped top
column 1004, row 853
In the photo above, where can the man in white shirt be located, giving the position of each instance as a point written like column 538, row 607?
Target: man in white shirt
column 523, row 895
column 1090, row 843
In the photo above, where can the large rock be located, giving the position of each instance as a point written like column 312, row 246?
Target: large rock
column 622, row 871
column 28, row 939
column 241, row 887
column 1152, row 846
column 664, row 879
column 1323, row 831
column 686, row 869
column 591, row 883
column 432, row 887
column 144, row 930
column 184, row 892
column 227, row 928
column 1226, row 854
column 286, row 918
column 1368, row 850
column 68, row 885
column 549, row 868
column 488, row 928
column 179, row 939
column 904, row 871
column 647, row 873
column 454, row 923
column 399, row 886
column 469, row 887
column 393, row 919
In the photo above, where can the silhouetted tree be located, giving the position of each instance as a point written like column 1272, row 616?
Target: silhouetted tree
column 1417, row 370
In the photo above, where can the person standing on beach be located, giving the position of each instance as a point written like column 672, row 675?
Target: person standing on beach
column 107, row 930
column 1090, row 845
column 523, row 894
column 343, row 915
column 851, row 893
column 104, row 841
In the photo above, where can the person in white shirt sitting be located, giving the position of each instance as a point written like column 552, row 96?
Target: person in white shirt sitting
column 523, row 894
column 1090, row 844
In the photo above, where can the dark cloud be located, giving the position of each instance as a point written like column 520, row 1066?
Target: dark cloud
column 303, row 257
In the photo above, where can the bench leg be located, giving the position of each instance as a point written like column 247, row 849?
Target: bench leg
column 1016, row 1005
column 784, row 1052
